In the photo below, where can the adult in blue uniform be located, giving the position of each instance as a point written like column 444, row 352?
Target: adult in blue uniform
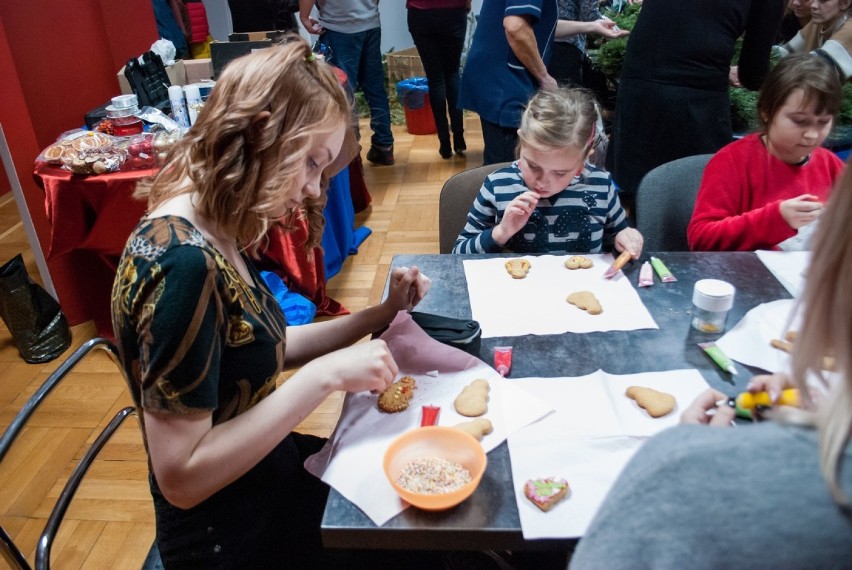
column 506, row 64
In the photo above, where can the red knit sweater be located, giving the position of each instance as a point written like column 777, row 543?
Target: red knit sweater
column 738, row 203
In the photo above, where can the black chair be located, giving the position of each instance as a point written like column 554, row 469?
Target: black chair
column 457, row 196
column 8, row 550
column 665, row 200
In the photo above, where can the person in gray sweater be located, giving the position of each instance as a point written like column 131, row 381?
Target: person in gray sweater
column 769, row 495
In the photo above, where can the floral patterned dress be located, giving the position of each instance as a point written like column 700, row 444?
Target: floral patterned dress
column 195, row 337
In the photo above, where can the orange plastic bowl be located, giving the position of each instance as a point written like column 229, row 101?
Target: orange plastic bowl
column 435, row 441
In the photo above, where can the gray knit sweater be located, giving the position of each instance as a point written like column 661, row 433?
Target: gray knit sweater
column 700, row 497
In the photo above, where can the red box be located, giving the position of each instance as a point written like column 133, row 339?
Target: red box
column 420, row 121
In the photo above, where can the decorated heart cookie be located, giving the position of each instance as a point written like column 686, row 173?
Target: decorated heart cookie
column 546, row 492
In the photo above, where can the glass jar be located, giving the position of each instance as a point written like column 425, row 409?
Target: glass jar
column 711, row 301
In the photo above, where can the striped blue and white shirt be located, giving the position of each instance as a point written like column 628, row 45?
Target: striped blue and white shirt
column 576, row 220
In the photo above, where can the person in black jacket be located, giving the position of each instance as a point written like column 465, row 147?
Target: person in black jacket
column 673, row 94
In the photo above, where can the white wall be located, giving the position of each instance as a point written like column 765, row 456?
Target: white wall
column 395, row 34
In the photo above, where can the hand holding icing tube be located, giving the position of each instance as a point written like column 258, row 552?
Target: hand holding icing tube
column 619, row 262
column 752, row 400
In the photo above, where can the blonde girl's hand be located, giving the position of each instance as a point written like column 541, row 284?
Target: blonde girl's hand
column 772, row 384
column 704, row 410
column 406, row 288
column 363, row 367
column 801, row 210
column 629, row 239
column 515, row 217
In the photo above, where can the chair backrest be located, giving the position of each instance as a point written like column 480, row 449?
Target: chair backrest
column 665, row 200
column 457, row 196
column 8, row 550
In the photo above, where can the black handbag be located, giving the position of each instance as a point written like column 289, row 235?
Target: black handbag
column 464, row 334
column 38, row 326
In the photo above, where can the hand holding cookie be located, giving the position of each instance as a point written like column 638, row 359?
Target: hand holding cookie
column 397, row 397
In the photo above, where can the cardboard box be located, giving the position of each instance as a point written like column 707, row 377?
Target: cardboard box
column 198, row 70
column 176, row 73
column 221, row 53
column 404, row 64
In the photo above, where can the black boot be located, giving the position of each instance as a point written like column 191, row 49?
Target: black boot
column 445, row 150
column 38, row 326
column 458, row 144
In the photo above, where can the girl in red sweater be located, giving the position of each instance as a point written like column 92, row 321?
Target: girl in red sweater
column 764, row 190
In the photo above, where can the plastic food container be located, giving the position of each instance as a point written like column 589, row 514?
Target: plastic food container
column 435, row 441
column 711, row 300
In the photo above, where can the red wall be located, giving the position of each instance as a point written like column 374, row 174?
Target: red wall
column 58, row 60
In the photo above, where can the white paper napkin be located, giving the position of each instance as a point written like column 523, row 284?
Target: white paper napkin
column 536, row 304
column 748, row 341
column 789, row 267
column 587, row 441
column 351, row 460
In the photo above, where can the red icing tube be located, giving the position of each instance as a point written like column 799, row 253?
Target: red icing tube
column 430, row 416
column 503, row 359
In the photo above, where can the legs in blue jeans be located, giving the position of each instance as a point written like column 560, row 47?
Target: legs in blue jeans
column 439, row 37
column 360, row 56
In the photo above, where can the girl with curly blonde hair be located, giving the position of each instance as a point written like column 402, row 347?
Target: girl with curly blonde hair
column 203, row 341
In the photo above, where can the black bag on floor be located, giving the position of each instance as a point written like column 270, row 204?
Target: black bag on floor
column 38, row 326
column 464, row 334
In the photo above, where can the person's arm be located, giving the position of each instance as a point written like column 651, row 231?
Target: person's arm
column 193, row 459
column 521, row 38
column 312, row 26
column 603, row 27
column 476, row 235
column 307, row 342
column 759, row 36
column 719, row 223
column 837, row 50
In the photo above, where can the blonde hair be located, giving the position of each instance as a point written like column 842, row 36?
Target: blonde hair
column 827, row 330
column 239, row 165
column 560, row 118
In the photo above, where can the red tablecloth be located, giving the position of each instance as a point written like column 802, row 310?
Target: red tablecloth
column 94, row 215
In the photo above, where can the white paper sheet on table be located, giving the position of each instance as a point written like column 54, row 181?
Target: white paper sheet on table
column 592, row 435
column 504, row 306
column 788, row 267
column 351, row 460
column 748, row 341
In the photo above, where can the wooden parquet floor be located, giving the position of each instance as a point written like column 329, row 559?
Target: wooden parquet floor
column 111, row 521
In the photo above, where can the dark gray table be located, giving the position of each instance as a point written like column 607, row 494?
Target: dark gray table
column 489, row 520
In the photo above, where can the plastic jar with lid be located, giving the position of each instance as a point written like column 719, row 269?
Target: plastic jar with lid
column 122, row 115
column 711, row 300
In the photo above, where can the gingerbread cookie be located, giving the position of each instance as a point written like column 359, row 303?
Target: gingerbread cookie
column 656, row 403
column 473, row 400
column 397, row 396
column 546, row 492
column 478, row 428
column 578, row 262
column 517, row 267
column 587, row 301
